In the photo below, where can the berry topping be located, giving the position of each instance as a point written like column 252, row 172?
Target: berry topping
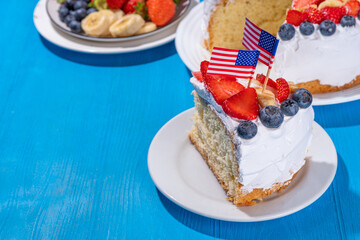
column 115, row 4
column 313, row 15
column 136, row 6
column 295, row 17
column 271, row 117
column 303, row 97
column 352, row 7
column 333, row 13
column 286, row 31
column 303, row 3
column 347, row 21
column 161, row 11
column 261, row 78
column 204, row 65
column 198, row 76
column 221, row 87
column 282, row 89
column 289, row 107
column 247, row 129
column 327, row 28
column 307, row 28
column 243, row 105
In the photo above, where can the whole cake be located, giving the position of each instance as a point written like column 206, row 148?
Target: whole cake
column 319, row 40
column 254, row 142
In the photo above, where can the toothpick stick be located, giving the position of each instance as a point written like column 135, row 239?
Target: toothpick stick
column 250, row 82
column 266, row 79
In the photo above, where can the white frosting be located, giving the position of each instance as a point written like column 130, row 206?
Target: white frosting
column 333, row 60
column 209, row 7
column 273, row 155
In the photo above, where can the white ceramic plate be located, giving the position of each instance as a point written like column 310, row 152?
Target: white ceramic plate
column 189, row 45
column 181, row 174
column 45, row 27
column 52, row 7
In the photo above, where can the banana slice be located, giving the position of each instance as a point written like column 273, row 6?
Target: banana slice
column 331, row 3
column 110, row 14
column 95, row 24
column 148, row 27
column 265, row 98
column 119, row 14
column 127, row 25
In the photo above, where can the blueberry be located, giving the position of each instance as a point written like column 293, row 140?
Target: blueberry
column 247, row 129
column 91, row 10
column 70, row 4
column 75, row 26
column 327, row 27
column 359, row 16
column 347, row 21
column 80, row 14
column 289, row 107
column 271, row 116
column 80, row 4
column 63, row 12
column 286, row 32
column 307, row 28
column 72, row 13
column 303, row 97
column 68, row 19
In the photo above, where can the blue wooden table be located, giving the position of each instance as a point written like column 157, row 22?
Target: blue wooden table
column 74, row 135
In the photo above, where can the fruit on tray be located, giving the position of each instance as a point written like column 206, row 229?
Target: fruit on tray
column 116, row 18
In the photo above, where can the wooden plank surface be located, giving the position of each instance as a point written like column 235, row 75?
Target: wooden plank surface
column 74, row 138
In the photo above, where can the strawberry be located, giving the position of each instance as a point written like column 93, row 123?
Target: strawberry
column 333, row 13
column 222, row 87
column 352, row 8
column 295, row 17
column 115, row 4
column 282, row 89
column 136, row 6
column 198, row 76
column 243, row 105
column 204, row 67
column 161, row 11
column 297, row 4
column 313, row 15
column 270, row 83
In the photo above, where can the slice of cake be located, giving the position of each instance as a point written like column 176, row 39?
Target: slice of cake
column 319, row 41
column 253, row 144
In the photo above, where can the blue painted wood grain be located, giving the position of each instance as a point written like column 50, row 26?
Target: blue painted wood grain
column 74, row 135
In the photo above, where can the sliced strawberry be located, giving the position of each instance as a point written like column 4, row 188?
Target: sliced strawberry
column 222, row 87
column 282, row 89
column 204, row 67
column 313, row 15
column 333, row 13
column 198, row 76
column 352, row 8
column 297, row 4
column 261, row 78
column 115, row 4
column 243, row 105
column 295, row 17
